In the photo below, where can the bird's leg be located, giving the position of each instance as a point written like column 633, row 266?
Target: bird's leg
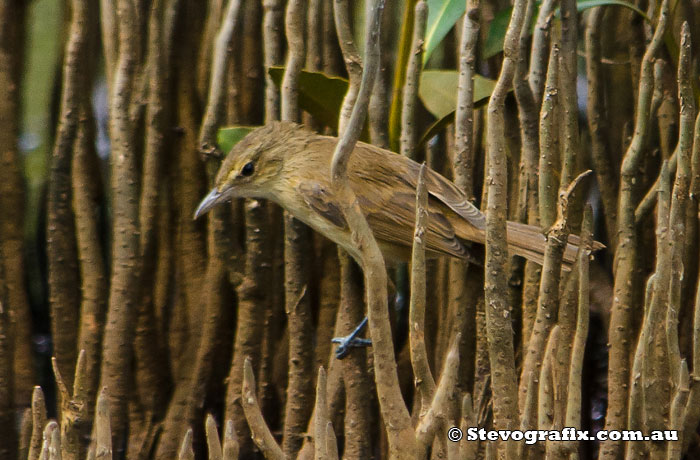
column 351, row 340
column 400, row 290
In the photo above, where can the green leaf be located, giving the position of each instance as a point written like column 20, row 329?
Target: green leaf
column 442, row 16
column 226, row 138
column 497, row 29
column 319, row 94
column 583, row 5
column 438, row 90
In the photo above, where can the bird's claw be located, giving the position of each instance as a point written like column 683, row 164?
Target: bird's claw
column 351, row 341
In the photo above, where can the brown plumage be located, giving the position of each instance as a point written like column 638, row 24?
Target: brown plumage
column 289, row 165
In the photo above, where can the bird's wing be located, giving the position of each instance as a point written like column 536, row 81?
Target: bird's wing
column 318, row 198
column 392, row 220
column 455, row 199
column 438, row 186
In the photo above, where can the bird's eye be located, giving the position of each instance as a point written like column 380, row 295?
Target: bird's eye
column 248, row 169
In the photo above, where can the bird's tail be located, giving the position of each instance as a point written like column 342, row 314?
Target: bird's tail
column 529, row 242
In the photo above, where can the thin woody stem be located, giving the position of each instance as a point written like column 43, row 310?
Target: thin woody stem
column 607, row 178
column 626, row 255
column 117, row 355
column 540, row 45
column 463, row 282
column 63, row 276
column 399, row 429
column 549, row 143
column 498, row 318
column 410, row 90
column 297, row 241
column 216, row 104
column 259, row 430
column 424, row 381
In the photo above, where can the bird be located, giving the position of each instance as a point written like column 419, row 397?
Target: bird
column 285, row 163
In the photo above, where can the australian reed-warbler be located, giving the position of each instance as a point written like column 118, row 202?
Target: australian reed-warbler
column 291, row 166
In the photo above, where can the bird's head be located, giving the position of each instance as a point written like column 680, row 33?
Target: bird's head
column 253, row 166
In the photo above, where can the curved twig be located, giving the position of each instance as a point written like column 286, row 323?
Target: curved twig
column 353, row 61
column 400, row 432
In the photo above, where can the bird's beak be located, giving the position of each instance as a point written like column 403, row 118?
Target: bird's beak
column 208, row 202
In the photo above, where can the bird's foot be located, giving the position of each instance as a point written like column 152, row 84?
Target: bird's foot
column 351, row 341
